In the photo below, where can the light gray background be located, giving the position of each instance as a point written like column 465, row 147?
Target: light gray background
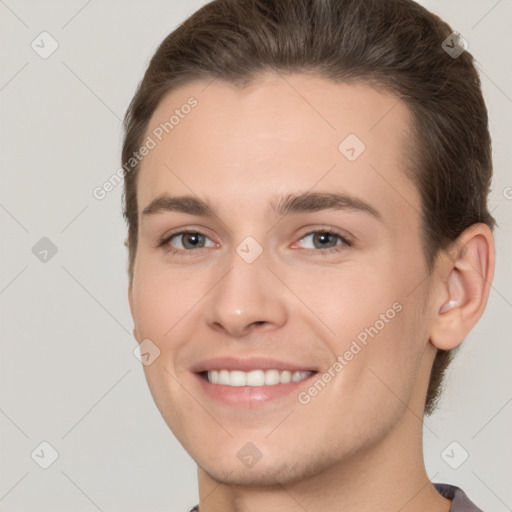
column 67, row 372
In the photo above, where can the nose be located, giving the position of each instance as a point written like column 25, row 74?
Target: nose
column 249, row 297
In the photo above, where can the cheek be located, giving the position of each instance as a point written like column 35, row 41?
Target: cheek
column 162, row 301
column 163, row 309
column 360, row 304
column 379, row 331
column 383, row 375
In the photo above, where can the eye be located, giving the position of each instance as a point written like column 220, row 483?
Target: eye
column 186, row 240
column 324, row 241
column 327, row 241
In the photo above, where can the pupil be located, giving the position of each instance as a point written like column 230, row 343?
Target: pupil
column 324, row 237
column 189, row 236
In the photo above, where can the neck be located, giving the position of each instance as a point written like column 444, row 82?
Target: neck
column 388, row 476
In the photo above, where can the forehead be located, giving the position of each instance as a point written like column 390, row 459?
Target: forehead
column 284, row 133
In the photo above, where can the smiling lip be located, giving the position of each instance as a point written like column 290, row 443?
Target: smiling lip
column 249, row 397
column 246, row 365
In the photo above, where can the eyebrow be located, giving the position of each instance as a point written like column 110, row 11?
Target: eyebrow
column 281, row 204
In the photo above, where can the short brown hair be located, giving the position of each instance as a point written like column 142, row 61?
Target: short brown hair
column 394, row 45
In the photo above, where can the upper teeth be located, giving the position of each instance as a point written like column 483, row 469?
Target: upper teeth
column 255, row 377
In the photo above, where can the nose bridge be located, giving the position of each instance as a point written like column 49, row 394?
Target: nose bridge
column 248, row 293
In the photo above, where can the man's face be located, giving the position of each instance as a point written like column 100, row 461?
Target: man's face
column 343, row 314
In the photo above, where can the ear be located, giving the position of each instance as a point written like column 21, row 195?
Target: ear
column 130, row 301
column 466, row 272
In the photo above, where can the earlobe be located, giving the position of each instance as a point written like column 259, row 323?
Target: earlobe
column 466, row 278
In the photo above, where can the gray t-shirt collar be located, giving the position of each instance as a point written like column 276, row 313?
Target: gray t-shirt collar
column 460, row 502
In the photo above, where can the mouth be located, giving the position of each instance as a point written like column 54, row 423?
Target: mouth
column 254, row 378
column 251, row 383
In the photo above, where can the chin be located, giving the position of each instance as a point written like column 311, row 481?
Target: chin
column 264, row 476
column 276, row 469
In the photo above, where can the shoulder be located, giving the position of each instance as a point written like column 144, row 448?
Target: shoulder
column 460, row 502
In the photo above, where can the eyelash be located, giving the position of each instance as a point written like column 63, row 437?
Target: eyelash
column 164, row 243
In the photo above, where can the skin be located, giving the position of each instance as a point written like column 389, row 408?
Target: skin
column 357, row 445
